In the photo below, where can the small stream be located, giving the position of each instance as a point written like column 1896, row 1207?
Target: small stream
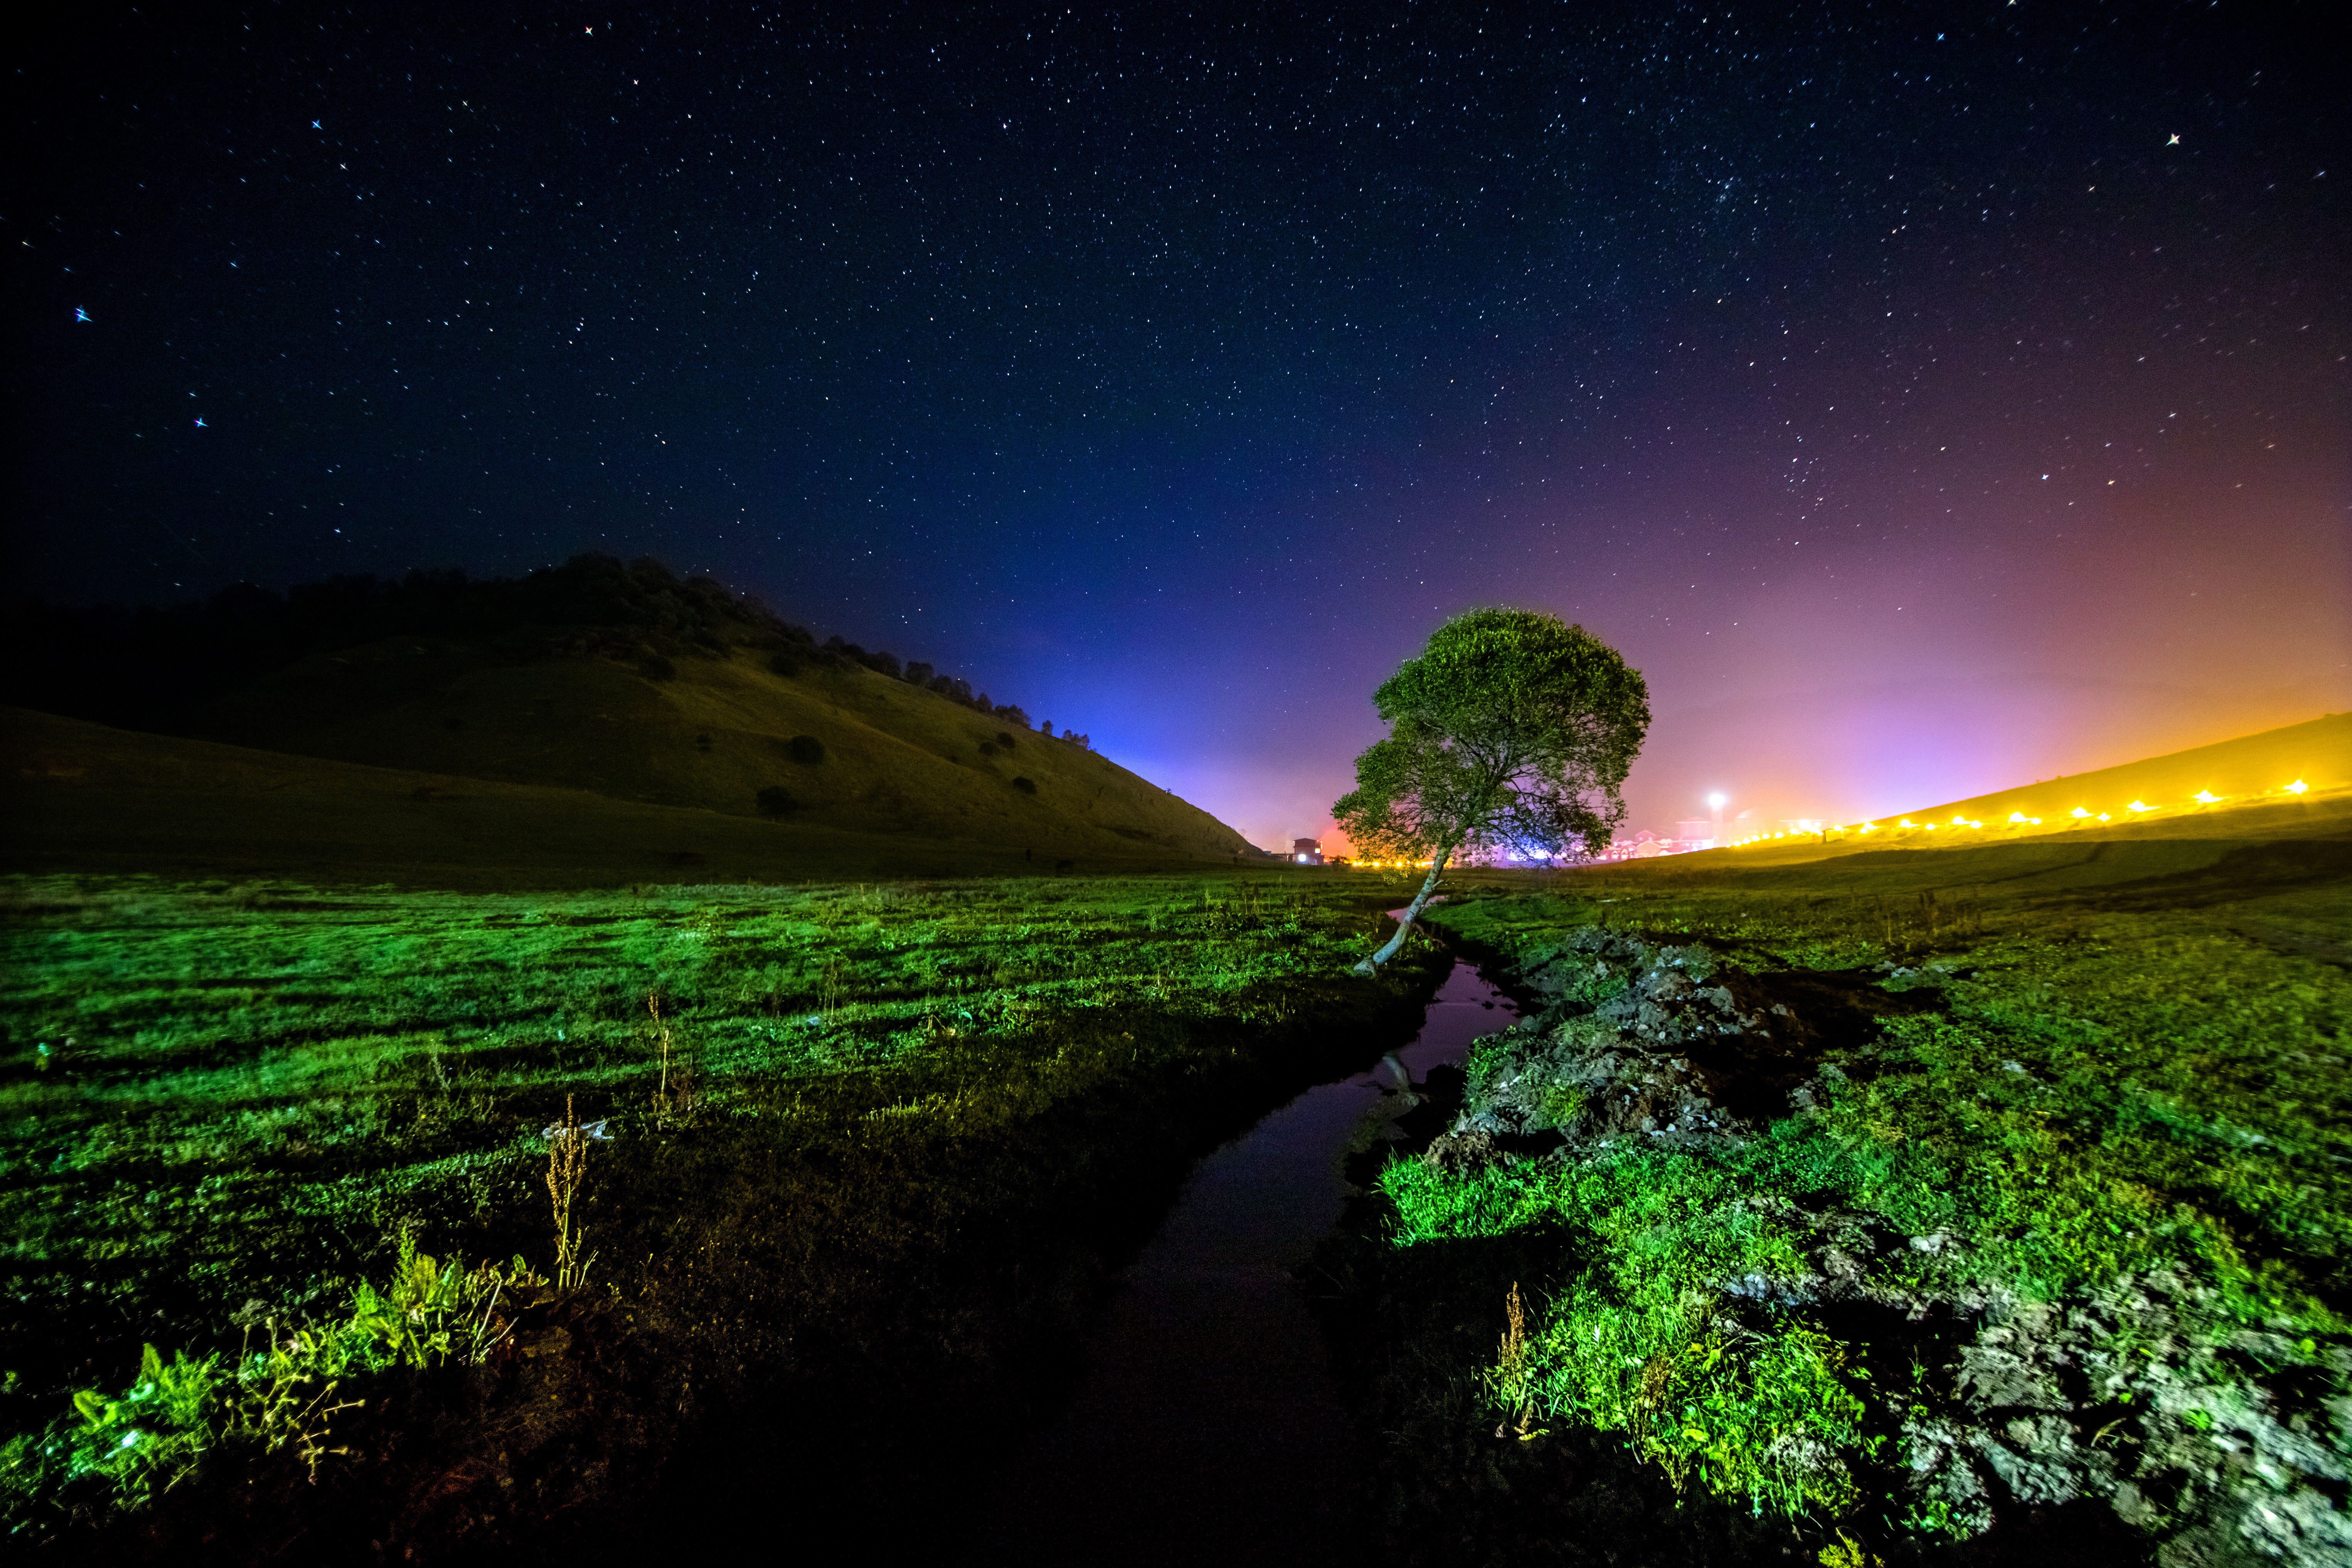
column 1205, row 1428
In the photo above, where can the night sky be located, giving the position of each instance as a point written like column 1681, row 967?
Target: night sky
column 1926, row 399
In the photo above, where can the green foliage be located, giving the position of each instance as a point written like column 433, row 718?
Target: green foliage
column 132, row 1447
column 1645, row 1339
column 2093, row 1088
column 1508, row 730
column 432, row 1313
column 117, row 1453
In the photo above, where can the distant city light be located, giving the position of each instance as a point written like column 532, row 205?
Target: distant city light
column 1718, row 800
column 1644, row 845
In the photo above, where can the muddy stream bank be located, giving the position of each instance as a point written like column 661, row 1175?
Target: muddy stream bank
column 1205, row 1425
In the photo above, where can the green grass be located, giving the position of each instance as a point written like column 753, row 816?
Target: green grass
column 227, row 1103
column 2108, row 1079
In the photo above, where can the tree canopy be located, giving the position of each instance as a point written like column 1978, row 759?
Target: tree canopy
column 1511, row 730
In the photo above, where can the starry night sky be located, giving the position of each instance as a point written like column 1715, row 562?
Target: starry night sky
column 1926, row 398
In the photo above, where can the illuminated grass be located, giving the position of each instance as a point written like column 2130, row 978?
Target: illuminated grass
column 222, row 1095
column 2106, row 1082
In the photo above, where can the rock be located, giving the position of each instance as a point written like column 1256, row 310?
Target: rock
column 1464, row 1150
column 2038, row 1464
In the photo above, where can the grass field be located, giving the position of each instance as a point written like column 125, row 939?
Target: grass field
column 833, row 1112
column 2050, row 1237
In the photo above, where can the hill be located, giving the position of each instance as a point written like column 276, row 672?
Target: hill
column 2316, row 754
column 82, row 798
column 712, row 730
column 2236, row 790
column 591, row 679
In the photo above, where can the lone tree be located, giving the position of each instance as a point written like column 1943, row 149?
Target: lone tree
column 1511, row 730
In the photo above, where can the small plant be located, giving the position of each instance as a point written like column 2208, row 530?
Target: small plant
column 661, row 1048
column 567, row 1168
column 1846, row 1551
column 1562, row 1103
column 832, row 987
column 1513, row 1384
column 677, row 1090
column 1026, row 785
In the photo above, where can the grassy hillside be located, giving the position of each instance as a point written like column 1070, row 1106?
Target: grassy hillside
column 77, row 797
column 898, row 758
column 2251, row 768
column 2248, row 779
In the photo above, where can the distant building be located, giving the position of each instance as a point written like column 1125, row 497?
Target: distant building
column 1697, row 833
column 1643, row 846
column 1307, row 851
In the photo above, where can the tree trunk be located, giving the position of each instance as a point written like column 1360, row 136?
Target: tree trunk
column 1404, row 921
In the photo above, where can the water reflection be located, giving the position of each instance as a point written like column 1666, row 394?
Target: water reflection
column 1205, row 1428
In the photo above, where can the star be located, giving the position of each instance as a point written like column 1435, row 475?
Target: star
column 2175, row 141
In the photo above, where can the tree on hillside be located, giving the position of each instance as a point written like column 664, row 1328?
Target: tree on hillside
column 1510, row 730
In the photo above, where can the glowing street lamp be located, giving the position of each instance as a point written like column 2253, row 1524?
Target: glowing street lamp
column 2297, row 787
